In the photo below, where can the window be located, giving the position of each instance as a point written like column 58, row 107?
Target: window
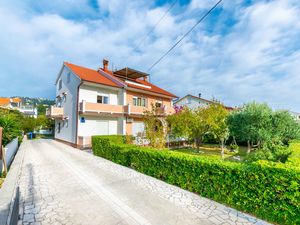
column 103, row 99
column 68, row 77
column 138, row 101
column 59, row 84
column 158, row 104
column 58, row 101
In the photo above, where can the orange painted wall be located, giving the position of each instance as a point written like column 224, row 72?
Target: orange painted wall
column 128, row 128
column 150, row 99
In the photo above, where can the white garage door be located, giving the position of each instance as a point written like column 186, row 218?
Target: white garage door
column 100, row 127
column 137, row 127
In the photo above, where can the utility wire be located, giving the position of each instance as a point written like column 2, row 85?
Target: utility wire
column 158, row 22
column 186, row 34
column 152, row 29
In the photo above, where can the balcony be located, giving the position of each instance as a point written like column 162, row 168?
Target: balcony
column 139, row 110
column 94, row 109
column 55, row 112
column 89, row 108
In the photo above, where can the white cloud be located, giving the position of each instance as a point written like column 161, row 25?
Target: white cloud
column 255, row 58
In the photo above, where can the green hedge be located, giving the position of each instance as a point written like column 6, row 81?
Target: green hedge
column 268, row 190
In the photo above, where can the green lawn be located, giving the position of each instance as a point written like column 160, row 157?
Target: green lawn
column 213, row 150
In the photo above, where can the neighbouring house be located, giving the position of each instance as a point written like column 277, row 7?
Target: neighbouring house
column 194, row 102
column 103, row 102
column 296, row 115
column 29, row 110
column 11, row 103
column 17, row 104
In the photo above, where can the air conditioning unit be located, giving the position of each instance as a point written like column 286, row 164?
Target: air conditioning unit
column 129, row 120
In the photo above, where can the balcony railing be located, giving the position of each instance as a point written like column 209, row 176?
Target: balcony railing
column 89, row 108
column 55, row 112
column 97, row 108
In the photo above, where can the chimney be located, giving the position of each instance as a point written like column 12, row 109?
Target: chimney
column 105, row 64
column 199, row 95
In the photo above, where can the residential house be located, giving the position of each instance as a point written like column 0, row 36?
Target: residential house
column 103, row 102
column 11, row 103
column 194, row 102
column 17, row 104
column 295, row 115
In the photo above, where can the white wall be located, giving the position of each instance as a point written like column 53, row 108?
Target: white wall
column 89, row 94
column 191, row 102
column 68, row 127
column 10, row 150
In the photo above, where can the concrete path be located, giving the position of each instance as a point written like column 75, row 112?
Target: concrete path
column 63, row 185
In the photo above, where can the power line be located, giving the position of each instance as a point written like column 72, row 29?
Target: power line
column 186, row 34
column 153, row 28
column 158, row 22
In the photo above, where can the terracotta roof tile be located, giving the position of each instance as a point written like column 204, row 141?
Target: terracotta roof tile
column 4, row 101
column 154, row 88
column 94, row 76
column 87, row 74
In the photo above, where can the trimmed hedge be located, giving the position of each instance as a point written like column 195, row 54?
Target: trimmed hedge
column 270, row 191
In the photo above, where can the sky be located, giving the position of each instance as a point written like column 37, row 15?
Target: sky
column 244, row 51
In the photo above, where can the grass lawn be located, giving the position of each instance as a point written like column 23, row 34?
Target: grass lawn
column 213, row 150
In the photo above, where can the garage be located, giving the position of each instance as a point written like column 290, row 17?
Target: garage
column 96, row 126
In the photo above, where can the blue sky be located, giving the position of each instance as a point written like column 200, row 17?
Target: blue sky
column 245, row 51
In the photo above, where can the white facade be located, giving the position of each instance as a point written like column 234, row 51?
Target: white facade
column 296, row 115
column 66, row 97
column 70, row 93
column 29, row 111
column 192, row 102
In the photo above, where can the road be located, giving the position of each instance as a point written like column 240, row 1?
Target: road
column 63, row 185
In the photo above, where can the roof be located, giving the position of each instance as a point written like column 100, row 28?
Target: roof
column 203, row 99
column 108, row 78
column 131, row 73
column 4, row 101
column 90, row 75
column 16, row 100
column 153, row 88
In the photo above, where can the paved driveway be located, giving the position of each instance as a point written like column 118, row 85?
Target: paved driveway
column 63, row 185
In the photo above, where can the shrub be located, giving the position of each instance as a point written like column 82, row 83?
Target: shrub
column 268, row 190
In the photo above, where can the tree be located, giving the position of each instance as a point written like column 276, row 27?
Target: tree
column 44, row 122
column 217, row 122
column 41, row 109
column 11, row 128
column 180, row 123
column 29, row 124
column 285, row 127
column 252, row 124
column 199, row 125
column 155, row 128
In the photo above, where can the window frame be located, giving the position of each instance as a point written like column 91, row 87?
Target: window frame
column 103, row 97
column 139, row 101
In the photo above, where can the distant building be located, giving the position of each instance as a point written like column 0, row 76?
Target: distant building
column 29, row 111
column 194, row 102
column 10, row 103
column 296, row 115
column 17, row 104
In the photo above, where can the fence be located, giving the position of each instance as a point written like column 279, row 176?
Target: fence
column 10, row 152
